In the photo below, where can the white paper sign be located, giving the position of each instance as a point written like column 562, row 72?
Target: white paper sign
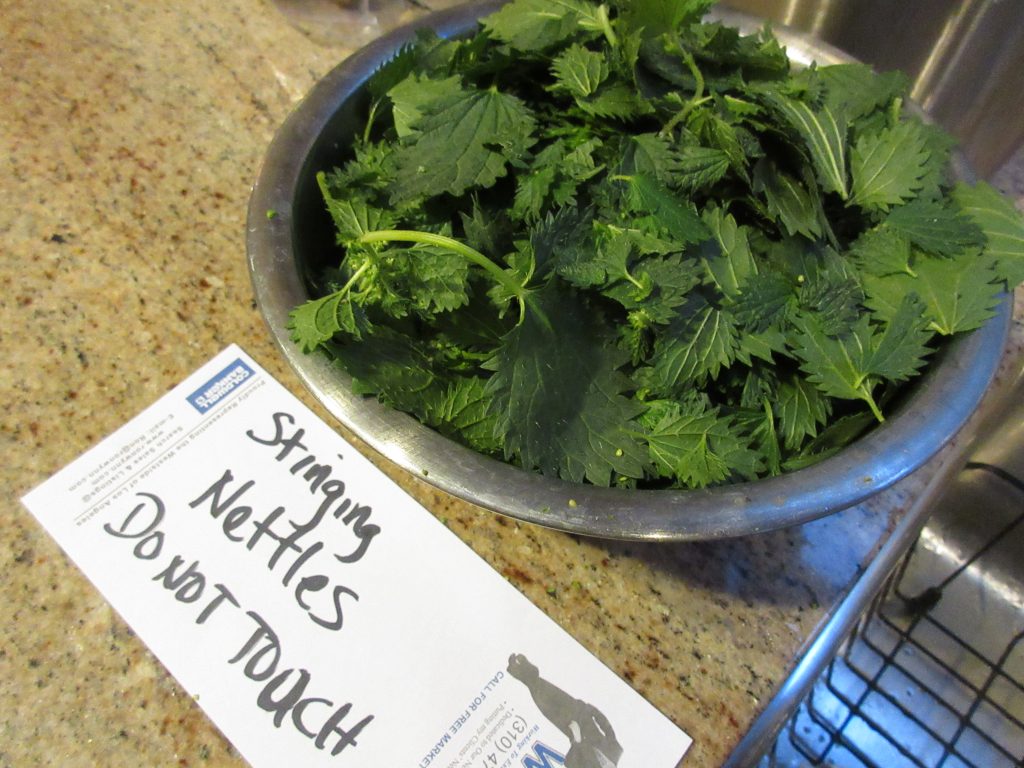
column 319, row 615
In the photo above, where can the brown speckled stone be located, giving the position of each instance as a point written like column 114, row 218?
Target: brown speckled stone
column 130, row 135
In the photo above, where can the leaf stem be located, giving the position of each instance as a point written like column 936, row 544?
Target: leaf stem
column 496, row 273
column 866, row 396
column 355, row 277
column 606, row 26
column 369, row 122
column 694, row 101
column 639, row 286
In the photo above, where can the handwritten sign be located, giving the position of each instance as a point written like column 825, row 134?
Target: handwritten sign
column 318, row 614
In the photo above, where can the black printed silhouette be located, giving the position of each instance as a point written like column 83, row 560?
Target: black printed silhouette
column 592, row 740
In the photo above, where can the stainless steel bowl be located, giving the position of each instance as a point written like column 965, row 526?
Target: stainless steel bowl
column 286, row 246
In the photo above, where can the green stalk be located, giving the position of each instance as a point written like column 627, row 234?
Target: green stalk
column 496, row 273
column 694, row 101
column 639, row 286
column 369, row 122
column 606, row 26
column 867, row 398
column 355, row 277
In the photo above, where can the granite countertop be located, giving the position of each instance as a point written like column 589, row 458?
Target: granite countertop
column 131, row 134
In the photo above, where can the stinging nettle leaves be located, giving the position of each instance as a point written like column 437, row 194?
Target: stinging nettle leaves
column 352, row 217
column 410, row 97
column 1002, row 225
column 802, row 409
column 850, row 366
column 695, row 349
column 534, row 25
column 936, row 228
column 697, row 168
column 899, row 352
column 887, row 167
column 668, row 211
column 483, row 130
column 700, row 448
column 823, row 132
column 838, row 366
column 858, row 90
column 463, row 411
column 789, row 201
column 727, row 257
column 559, row 397
column 959, row 293
column 620, row 245
column 579, row 71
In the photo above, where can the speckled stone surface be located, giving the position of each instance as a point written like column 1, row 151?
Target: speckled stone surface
column 130, row 134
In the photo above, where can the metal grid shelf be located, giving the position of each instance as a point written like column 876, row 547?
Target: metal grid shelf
column 932, row 676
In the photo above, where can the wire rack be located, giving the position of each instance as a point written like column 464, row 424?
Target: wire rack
column 932, row 674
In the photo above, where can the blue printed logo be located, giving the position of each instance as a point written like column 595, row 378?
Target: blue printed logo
column 539, row 759
column 220, row 386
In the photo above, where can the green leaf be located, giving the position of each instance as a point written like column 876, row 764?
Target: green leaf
column 352, row 217
column 767, row 301
column 762, row 344
column 1002, row 224
column 938, row 175
column 361, row 176
column 850, row 366
column 412, row 95
column 461, row 141
column 553, row 178
column 802, row 408
column 695, row 348
column 735, row 57
column 317, row 320
column 832, row 290
column 433, row 278
column 649, row 154
column 391, row 366
column 485, row 230
column 657, row 285
column 534, row 25
column 563, row 237
column 393, row 71
column 882, row 251
column 671, row 279
column 900, row 351
column 464, row 411
column 839, row 367
column 700, row 448
column 597, row 263
column 559, row 395
column 858, row 90
column 697, row 168
column 823, row 132
column 579, row 71
column 836, row 436
column 718, row 134
column 615, row 100
column 766, row 437
column 655, row 17
column 532, row 190
column 668, row 211
column 788, row 200
column 886, row 168
column 727, row 255
column 936, row 228
column 959, row 293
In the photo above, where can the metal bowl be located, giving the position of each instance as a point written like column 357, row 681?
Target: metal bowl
column 286, row 246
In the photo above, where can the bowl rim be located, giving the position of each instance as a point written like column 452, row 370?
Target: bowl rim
column 941, row 402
